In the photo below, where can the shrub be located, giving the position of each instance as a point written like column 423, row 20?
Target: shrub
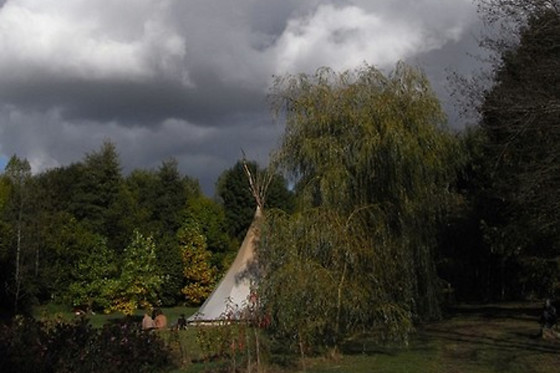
column 27, row 345
column 23, row 346
column 232, row 346
column 123, row 346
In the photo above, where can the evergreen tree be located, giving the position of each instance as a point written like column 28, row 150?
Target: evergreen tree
column 97, row 191
column 233, row 190
column 170, row 200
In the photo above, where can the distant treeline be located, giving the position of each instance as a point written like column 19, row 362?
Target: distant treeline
column 90, row 237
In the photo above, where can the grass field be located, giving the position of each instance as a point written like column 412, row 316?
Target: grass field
column 492, row 338
column 489, row 338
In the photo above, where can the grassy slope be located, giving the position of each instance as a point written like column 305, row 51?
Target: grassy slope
column 500, row 338
column 491, row 338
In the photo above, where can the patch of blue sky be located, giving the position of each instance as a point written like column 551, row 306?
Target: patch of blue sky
column 3, row 162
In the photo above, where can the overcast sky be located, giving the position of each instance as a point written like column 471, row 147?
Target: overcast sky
column 188, row 78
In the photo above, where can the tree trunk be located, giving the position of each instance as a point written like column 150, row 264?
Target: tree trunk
column 37, row 262
column 502, row 279
column 339, row 301
column 302, row 352
column 257, row 349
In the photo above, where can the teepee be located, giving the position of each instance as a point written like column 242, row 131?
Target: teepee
column 230, row 298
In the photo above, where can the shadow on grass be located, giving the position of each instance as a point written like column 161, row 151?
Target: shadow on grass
column 130, row 319
column 510, row 329
column 531, row 343
column 520, row 312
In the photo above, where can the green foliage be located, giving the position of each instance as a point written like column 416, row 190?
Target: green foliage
column 98, row 189
column 170, row 200
column 170, row 267
column 210, row 217
column 93, row 277
column 161, row 198
column 139, row 280
column 68, row 210
column 58, row 189
column 231, row 347
column 4, row 192
column 161, row 202
column 519, row 115
column 19, row 286
column 510, row 182
column 371, row 162
column 5, row 244
column 18, row 172
column 142, row 186
column 199, row 275
column 122, row 217
column 361, row 137
column 64, row 244
column 6, row 239
column 331, row 286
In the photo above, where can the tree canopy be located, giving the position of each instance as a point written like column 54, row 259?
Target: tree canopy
column 372, row 163
column 509, row 181
column 85, row 234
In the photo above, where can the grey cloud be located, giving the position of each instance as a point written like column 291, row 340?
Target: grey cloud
column 188, row 79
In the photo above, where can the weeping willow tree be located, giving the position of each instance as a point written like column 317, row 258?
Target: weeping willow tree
column 372, row 162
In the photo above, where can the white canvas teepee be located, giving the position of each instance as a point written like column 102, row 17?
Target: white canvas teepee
column 229, row 299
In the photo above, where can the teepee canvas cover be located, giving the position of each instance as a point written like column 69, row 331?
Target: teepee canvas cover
column 230, row 297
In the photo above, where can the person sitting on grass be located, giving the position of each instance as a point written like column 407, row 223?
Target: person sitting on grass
column 148, row 322
column 548, row 317
column 160, row 320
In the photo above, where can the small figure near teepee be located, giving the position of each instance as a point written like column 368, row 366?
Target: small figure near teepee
column 548, row 320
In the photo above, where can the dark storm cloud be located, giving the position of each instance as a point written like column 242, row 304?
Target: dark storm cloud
column 133, row 103
column 188, row 79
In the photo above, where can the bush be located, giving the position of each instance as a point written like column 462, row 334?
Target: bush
column 23, row 346
column 232, row 347
column 124, row 346
column 27, row 345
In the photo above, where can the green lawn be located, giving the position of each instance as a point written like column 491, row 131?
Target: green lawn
column 54, row 311
column 494, row 338
column 490, row 338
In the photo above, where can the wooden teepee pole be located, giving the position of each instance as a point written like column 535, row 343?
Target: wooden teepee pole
column 258, row 184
